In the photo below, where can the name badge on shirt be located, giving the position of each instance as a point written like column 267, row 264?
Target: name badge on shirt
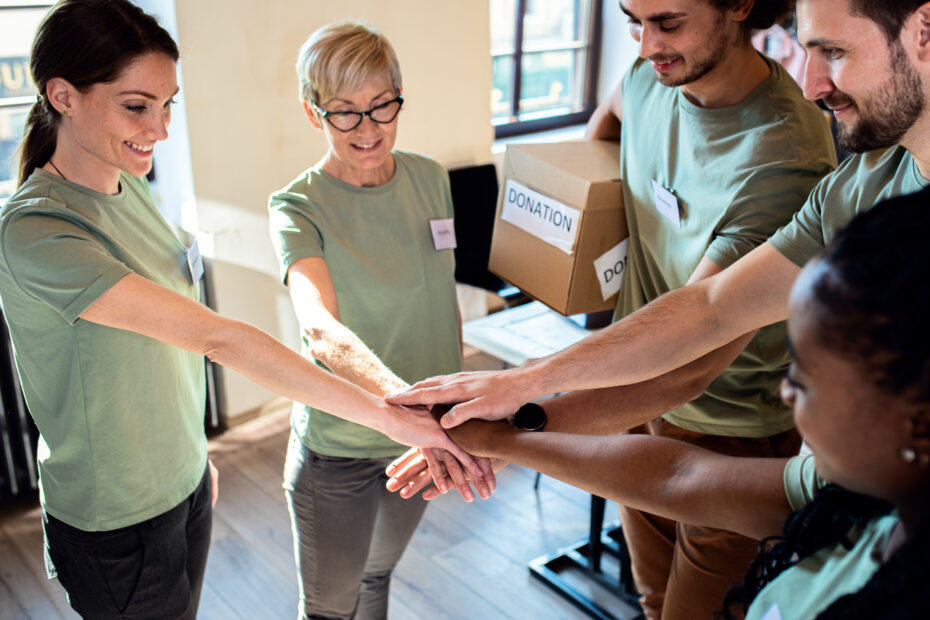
column 194, row 262
column 667, row 204
column 443, row 233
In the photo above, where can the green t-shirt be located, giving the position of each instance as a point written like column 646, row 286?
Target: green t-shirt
column 814, row 583
column 737, row 173
column 860, row 182
column 396, row 292
column 120, row 414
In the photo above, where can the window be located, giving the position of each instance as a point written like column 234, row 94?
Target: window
column 544, row 55
column 18, row 23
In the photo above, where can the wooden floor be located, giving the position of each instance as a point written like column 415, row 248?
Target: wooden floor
column 465, row 561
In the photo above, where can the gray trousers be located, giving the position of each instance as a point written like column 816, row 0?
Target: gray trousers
column 349, row 532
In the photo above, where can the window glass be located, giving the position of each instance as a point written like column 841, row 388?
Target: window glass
column 541, row 59
column 18, row 23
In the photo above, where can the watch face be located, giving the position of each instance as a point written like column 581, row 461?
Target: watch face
column 530, row 417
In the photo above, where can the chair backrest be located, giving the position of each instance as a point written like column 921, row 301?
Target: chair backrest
column 474, row 198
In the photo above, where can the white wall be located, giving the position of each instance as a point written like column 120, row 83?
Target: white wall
column 618, row 49
column 249, row 136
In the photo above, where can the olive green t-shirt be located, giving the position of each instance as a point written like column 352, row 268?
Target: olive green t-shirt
column 813, row 584
column 858, row 184
column 395, row 290
column 737, row 175
column 120, row 414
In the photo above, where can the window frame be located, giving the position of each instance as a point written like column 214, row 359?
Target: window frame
column 589, row 89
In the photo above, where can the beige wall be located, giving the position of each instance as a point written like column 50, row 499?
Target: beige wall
column 248, row 134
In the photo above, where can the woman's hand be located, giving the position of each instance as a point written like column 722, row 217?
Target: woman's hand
column 419, row 428
column 418, row 468
column 412, row 472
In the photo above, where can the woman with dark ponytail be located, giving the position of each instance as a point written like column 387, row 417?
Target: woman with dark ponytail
column 100, row 298
column 857, row 547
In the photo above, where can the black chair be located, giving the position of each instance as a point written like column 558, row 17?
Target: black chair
column 474, row 198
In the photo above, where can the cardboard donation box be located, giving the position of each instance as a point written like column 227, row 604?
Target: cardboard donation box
column 560, row 233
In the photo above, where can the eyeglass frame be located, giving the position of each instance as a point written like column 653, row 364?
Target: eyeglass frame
column 361, row 115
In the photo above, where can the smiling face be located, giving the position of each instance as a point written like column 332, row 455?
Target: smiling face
column 361, row 156
column 114, row 126
column 871, row 84
column 684, row 39
column 852, row 427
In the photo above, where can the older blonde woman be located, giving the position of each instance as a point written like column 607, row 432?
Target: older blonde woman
column 361, row 240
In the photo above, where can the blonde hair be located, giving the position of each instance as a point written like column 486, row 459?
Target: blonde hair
column 342, row 58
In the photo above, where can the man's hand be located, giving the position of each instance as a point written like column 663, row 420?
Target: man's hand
column 486, row 395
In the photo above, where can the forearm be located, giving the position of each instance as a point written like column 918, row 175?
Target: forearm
column 675, row 329
column 348, row 357
column 253, row 353
column 661, row 476
column 613, row 410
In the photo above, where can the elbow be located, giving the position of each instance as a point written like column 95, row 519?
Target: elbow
column 219, row 343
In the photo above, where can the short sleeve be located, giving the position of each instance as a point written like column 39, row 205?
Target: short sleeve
column 293, row 234
column 802, row 481
column 765, row 202
column 802, row 238
column 58, row 262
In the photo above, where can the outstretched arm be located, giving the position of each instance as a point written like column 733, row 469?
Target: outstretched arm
column 658, row 475
column 139, row 305
column 672, row 331
column 343, row 352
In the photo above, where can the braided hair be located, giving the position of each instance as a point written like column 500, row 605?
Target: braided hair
column 871, row 304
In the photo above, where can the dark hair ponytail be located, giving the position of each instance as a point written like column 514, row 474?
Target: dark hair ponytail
column 84, row 42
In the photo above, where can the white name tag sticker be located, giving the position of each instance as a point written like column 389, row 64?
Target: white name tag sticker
column 667, row 204
column 774, row 613
column 610, row 267
column 194, row 262
column 550, row 220
column 443, row 233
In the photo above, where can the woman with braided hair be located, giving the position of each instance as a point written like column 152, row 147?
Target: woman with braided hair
column 859, row 385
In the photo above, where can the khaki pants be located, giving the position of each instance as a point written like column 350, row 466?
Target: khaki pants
column 683, row 571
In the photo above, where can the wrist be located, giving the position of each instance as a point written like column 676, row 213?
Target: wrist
column 536, row 378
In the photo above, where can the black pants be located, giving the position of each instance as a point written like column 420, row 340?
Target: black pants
column 152, row 569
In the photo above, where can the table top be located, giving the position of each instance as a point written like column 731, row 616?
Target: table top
column 524, row 332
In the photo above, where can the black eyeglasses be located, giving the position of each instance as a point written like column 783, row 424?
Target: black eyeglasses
column 347, row 121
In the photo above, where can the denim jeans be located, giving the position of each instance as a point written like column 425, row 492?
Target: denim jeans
column 152, row 569
column 349, row 532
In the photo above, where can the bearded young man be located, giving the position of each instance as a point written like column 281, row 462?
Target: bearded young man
column 869, row 61
column 718, row 149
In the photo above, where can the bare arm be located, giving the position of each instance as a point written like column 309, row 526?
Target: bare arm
column 674, row 330
column 604, row 123
column 314, row 297
column 616, row 409
column 613, row 410
column 662, row 476
column 139, row 305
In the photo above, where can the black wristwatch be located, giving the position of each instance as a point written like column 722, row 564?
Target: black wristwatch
column 530, row 417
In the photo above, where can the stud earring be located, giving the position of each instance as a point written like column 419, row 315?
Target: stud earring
column 908, row 455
